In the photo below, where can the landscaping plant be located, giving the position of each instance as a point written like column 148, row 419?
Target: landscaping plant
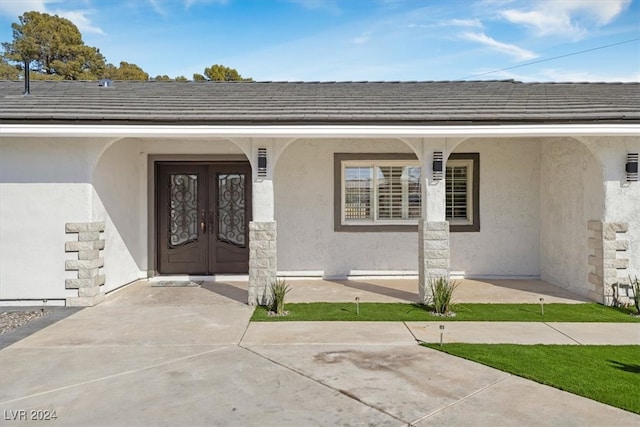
column 279, row 289
column 442, row 290
column 635, row 284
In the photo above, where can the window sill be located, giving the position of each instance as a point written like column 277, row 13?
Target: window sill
column 375, row 228
column 464, row 228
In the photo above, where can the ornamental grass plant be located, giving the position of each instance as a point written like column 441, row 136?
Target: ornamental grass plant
column 441, row 294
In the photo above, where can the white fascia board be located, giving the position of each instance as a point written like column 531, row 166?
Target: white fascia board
column 317, row 131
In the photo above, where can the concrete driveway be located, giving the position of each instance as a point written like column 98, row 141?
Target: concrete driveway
column 188, row 356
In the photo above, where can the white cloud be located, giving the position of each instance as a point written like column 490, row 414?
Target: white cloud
column 157, row 7
column 189, row 3
column 569, row 18
column 328, row 5
column 15, row 8
column 562, row 75
column 519, row 53
column 586, row 76
column 365, row 37
column 463, row 23
column 469, row 23
column 80, row 18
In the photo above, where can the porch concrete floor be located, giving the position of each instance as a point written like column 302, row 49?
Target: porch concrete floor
column 368, row 290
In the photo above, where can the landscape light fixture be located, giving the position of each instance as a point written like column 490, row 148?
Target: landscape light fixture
column 438, row 165
column 632, row 167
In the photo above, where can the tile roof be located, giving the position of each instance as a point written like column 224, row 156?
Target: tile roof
column 460, row 102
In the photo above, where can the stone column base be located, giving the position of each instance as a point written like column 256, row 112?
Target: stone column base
column 88, row 264
column 262, row 261
column 433, row 255
column 608, row 263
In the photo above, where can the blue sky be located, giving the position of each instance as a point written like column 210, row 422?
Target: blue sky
column 345, row 40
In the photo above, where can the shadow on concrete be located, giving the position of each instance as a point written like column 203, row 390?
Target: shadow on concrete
column 377, row 289
column 53, row 315
column 534, row 286
column 227, row 290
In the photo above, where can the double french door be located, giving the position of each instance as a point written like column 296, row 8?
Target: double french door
column 203, row 213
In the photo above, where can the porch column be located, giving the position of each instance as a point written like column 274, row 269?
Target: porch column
column 614, row 253
column 433, row 229
column 262, row 229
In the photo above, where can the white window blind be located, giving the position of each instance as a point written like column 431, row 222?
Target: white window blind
column 381, row 192
column 459, row 191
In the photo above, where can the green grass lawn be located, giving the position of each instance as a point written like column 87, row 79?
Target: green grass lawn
column 321, row 311
column 608, row 374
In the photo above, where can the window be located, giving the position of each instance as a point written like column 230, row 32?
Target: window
column 462, row 202
column 382, row 192
column 377, row 192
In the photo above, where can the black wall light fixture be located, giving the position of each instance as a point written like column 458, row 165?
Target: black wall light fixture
column 262, row 162
column 632, row 167
column 438, row 165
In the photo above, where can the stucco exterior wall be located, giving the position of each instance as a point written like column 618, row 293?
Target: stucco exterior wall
column 621, row 198
column 507, row 244
column 44, row 184
column 303, row 187
column 571, row 193
column 119, row 187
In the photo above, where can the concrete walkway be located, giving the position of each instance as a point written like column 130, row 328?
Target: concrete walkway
column 189, row 356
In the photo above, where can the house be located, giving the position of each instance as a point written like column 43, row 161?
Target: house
column 104, row 184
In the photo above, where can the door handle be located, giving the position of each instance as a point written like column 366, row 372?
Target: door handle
column 203, row 223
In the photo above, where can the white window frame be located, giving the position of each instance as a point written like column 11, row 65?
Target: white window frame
column 373, row 164
column 468, row 163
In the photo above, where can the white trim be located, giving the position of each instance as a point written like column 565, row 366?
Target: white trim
column 303, row 274
column 34, row 303
column 502, row 277
column 468, row 163
column 374, row 190
column 201, row 278
column 316, row 131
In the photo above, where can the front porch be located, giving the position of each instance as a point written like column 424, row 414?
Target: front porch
column 368, row 290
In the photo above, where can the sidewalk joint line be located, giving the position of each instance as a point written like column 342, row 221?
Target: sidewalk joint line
column 462, row 399
column 119, row 374
column 322, row 383
column 412, row 334
column 560, row 332
column 244, row 333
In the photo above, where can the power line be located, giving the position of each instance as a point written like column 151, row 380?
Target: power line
column 550, row 59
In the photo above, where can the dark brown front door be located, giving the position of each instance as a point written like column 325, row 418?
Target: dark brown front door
column 203, row 214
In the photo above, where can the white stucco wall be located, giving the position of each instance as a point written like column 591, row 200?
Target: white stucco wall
column 507, row 245
column 571, row 193
column 508, row 242
column 43, row 185
column 307, row 241
column 119, row 186
column 622, row 198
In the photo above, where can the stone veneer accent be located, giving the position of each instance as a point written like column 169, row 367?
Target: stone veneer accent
column 608, row 262
column 262, row 261
column 433, row 254
column 88, row 264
